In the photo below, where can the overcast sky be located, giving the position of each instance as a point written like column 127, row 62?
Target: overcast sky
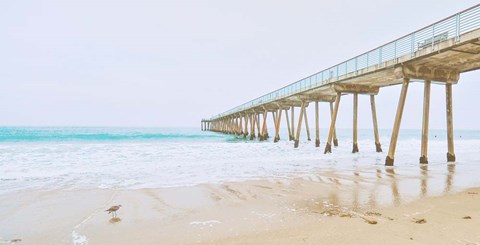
column 171, row 63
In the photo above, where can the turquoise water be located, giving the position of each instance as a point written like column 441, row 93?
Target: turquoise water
column 130, row 158
column 104, row 134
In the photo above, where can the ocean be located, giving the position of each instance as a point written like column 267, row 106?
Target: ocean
column 43, row 158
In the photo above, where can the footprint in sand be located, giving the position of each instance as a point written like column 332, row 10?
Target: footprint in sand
column 215, row 197
column 264, row 187
column 370, row 213
column 234, row 192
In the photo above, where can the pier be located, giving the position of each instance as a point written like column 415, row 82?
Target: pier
column 435, row 55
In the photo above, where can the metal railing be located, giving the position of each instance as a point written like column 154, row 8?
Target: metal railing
column 450, row 27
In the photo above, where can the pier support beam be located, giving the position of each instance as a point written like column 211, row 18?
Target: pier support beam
column 258, row 126
column 240, row 127
column 451, row 150
column 264, row 126
column 335, row 140
column 229, row 123
column 306, row 123
column 234, row 122
column 277, row 126
column 396, row 126
column 355, row 113
column 328, row 146
column 225, row 126
column 378, row 147
column 252, row 126
column 235, row 126
column 265, row 135
column 245, row 130
column 293, row 122
column 288, row 125
column 274, row 116
column 317, row 129
column 426, row 115
column 297, row 137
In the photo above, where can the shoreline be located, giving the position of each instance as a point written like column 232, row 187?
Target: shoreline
column 288, row 211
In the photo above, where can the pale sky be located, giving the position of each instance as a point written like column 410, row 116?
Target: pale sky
column 171, row 63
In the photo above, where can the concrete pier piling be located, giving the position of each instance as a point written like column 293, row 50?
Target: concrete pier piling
column 451, row 150
column 293, row 122
column 259, row 133
column 306, row 124
column 252, row 125
column 378, row 147
column 317, row 129
column 277, row 126
column 245, row 130
column 297, row 137
column 396, row 126
column 335, row 140
column 426, row 112
column 290, row 137
column 355, row 113
column 328, row 146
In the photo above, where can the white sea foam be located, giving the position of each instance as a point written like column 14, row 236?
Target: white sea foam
column 210, row 223
column 151, row 164
column 78, row 239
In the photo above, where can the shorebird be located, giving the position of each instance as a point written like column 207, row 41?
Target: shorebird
column 113, row 210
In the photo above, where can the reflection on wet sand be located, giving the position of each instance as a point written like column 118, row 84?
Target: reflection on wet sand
column 372, row 202
column 449, row 181
column 356, row 190
column 381, row 186
column 333, row 198
column 364, row 192
column 424, row 179
column 379, row 173
column 394, row 186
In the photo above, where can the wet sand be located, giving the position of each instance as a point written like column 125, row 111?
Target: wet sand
column 375, row 205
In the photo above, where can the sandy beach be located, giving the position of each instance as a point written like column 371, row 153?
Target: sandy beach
column 371, row 206
column 250, row 122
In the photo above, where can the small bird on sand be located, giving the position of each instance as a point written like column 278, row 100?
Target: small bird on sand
column 113, row 210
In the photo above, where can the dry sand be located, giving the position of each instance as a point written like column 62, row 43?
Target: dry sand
column 358, row 208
